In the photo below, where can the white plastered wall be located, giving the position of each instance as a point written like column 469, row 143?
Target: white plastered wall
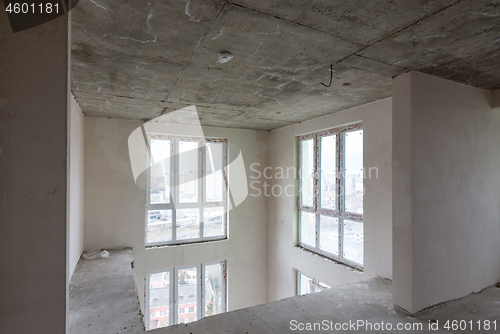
column 284, row 256
column 76, row 158
column 115, row 212
column 446, row 191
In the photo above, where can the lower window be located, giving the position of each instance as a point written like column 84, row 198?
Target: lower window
column 183, row 295
column 306, row 284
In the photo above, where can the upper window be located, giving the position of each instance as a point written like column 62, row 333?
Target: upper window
column 331, row 194
column 186, row 190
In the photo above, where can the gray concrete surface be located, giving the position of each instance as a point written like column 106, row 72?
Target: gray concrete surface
column 369, row 301
column 138, row 60
column 34, row 102
column 102, row 296
column 102, row 301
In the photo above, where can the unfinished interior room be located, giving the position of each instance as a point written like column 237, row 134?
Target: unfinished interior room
column 238, row 166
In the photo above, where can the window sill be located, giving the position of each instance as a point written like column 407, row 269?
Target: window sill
column 186, row 243
column 352, row 267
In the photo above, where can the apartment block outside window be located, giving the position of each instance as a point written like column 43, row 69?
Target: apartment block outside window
column 183, row 295
column 331, row 190
column 186, row 190
column 306, row 284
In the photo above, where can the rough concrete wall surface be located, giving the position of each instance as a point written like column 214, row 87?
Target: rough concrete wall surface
column 76, row 189
column 453, row 188
column 34, row 103
column 284, row 256
column 115, row 212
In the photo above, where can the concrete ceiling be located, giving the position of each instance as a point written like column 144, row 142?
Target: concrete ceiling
column 138, row 59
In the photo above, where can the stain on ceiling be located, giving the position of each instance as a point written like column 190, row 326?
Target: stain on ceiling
column 142, row 59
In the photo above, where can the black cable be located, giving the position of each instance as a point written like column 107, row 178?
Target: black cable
column 331, row 76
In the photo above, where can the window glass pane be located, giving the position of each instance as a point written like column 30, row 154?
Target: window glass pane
column 353, row 241
column 187, row 223
column 328, row 166
column 160, row 171
column 303, row 284
column 159, row 300
column 354, row 171
column 213, row 221
column 188, row 172
column 316, row 286
column 309, row 285
column 187, row 295
column 306, row 172
column 213, row 289
column 159, row 226
column 329, row 234
column 213, row 166
column 308, row 228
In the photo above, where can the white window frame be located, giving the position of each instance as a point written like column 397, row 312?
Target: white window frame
column 223, row 306
column 339, row 212
column 173, row 317
column 147, row 314
column 174, row 203
column 176, row 292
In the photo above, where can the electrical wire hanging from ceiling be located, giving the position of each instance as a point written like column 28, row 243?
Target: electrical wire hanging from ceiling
column 331, row 76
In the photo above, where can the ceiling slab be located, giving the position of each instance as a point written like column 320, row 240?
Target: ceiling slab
column 134, row 49
column 269, row 55
column 140, row 60
column 370, row 65
column 455, row 44
column 358, row 20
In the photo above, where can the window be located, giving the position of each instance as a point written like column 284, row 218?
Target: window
column 186, row 190
column 331, row 194
column 176, row 295
column 159, row 298
column 214, row 291
column 306, row 284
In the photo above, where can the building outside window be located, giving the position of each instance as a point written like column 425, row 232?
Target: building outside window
column 186, row 190
column 306, row 284
column 183, row 295
column 331, row 191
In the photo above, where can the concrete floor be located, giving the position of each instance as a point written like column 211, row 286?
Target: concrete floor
column 102, row 300
column 102, row 296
